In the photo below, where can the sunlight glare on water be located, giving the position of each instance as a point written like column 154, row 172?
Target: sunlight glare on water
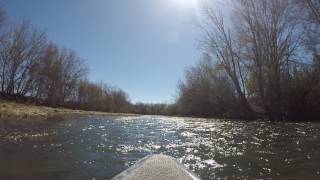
column 101, row 147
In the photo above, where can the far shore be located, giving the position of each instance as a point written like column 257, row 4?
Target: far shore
column 18, row 111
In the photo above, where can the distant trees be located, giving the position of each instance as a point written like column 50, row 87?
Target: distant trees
column 264, row 52
column 101, row 97
column 155, row 109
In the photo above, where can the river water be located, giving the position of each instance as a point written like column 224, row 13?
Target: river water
column 101, row 147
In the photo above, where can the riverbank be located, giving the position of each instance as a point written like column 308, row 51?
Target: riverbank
column 13, row 110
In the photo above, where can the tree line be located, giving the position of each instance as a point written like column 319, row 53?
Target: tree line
column 34, row 69
column 260, row 60
column 155, row 109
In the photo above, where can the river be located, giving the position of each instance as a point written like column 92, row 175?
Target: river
column 101, row 147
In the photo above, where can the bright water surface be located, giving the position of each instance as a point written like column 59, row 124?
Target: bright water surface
column 101, row 147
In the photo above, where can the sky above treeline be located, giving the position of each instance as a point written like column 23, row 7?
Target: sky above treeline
column 140, row 46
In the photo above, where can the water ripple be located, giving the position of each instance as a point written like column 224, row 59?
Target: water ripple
column 213, row 149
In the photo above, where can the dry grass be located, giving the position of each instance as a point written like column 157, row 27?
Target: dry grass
column 14, row 110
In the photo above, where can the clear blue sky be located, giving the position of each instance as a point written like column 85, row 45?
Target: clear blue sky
column 141, row 46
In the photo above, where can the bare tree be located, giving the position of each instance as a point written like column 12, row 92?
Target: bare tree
column 223, row 45
column 270, row 36
column 312, row 9
column 21, row 51
column 207, row 90
column 73, row 69
column 3, row 60
column 58, row 74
